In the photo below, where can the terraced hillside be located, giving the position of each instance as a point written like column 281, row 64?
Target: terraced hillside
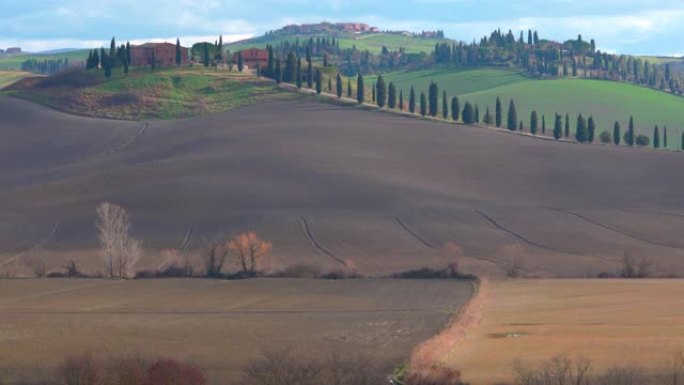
column 327, row 184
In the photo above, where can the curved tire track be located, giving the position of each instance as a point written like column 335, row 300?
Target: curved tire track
column 414, row 234
column 612, row 229
column 315, row 244
column 142, row 131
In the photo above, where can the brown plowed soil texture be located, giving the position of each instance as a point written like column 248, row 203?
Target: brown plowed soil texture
column 327, row 184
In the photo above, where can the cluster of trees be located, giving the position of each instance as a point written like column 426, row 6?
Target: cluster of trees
column 209, row 54
column 115, row 57
column 47, row 67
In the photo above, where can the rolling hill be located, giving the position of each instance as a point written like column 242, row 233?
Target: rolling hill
column 13, row 62
column 606, row 101
column 327, row 184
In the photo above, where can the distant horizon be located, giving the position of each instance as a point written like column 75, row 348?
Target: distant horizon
column 636, row 27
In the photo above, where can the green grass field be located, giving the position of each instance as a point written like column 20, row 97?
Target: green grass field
column 605, row 101
column 9, row 77
column 370, row 42
column 14, row 62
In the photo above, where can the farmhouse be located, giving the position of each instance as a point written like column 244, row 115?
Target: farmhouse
column 252, row 56
column 13, row 50
column 163, row 54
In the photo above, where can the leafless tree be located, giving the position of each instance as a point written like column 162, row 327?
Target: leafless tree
column 37, row 263
column 249, row 250
column 120, row 249
column 214, row 259
column 631, row 268
column 675, row 368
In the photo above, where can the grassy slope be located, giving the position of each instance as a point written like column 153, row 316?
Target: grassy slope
column 14, row 62
column 606, row 101
column 9, row 77
column 163, row 94
column 372, row 43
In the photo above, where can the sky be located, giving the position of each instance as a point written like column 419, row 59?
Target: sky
column 621, row 26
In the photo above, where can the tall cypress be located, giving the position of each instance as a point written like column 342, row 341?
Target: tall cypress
column 401, row 100
column 656, row 137
column 290, row 73
column 616, row 133
column 373, row 93
column 278, row 72
column 665, row 137
column 349, row 88
column 487, row 117
column 298, row 80
column 339, row 85
column 381, row 92
column 533, row 123
column 319, row 81
column 241, row 64
column 455, row 108
column 270, row 65
column 360, row 89
column 512, row 116
column 423, row 104
column 445, row 106
column 179, row 56
column 558, row 127
column 309, row 75
column 591, row 129
column 629, row 135
column 567, row 125
column 468, row 114
column 391, row 96
column 433, row 98
column 477, row 114
column 498, row 113
column 219, row 50
column 128, row 52
column 412, row 101
column 581, row 132
column 543, row 125
column 682, row 147
column 329, row 85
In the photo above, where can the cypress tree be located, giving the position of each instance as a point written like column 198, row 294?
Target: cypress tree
column 455, row 108
column 349, row 88
column 373, row 93
column 468, row 114
column 278, row 72
column 581, row 131
column 96, row 59
column 290, row 73
column 219, row 50
column 682, row 147
column 392, row 96
column 567, row 125
column 656, row 137
column 298, row 80
column 270, row 68
column 477, row 114
column 125, row 67
column 433, row 98
column 205, row 54
column 339, row 85
column 423, row 104
column 591, row 129
column 179, row 55
column 497, row 112
column 533, row 123
column 107, row 62
column 412, row 101
column 112, row 51
column 319, row 81
column 329, row 85
column 359, row 89
column 488, row 117
column 616, row 133
column 445, row 106
column 543, row 125
column 309, row 75
column 665, row 137
column 629, row 135
column 558, row 127
column 241, row 65
column 128, row 52
column 521, row 127
column 401, row 100
column 381, row 92
column 512, row 117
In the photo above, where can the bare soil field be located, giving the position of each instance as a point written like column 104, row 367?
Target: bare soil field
column 219, row 325
column 327, row 184
column 636, row 323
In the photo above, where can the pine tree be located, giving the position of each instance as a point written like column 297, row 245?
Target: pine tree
column 423, row 104
column 319, row 81
column 381, row 92
column 616, row 133
column 433, row 99
column 179, row 55
column 629, row 135
column 391, row 96
column 401, row 100
column 567, row 125
column 581, row 132
column 241, row 65
column 412, row 101
column 455, row 109
column 665, row 137
column 278, row 72
column 533, row 123
column 298, row 81
column 656, row 137
column 339, row 85
column 359, row 89
column 498, row 114
column 445, row 106
column 591, row 129
column 349, row 88
column 512, row 117
column 558, row 127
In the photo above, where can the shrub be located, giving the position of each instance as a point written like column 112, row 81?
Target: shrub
column 172, row 271
column 301, row 270
column 172, row 372
column 83, row 369
column 643, row 140
column 606, row 137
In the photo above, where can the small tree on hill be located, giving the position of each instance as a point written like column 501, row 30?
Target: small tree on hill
column 455, row 108
column 339, row 85
column 360, row 92
column 477, row 114
column 445, row 106
column 558, row 127
column 423, row 104
column 616, row 133
column 468, row 114
column 591, row 129
column 630, row 138
column 581, row 132
column 656, row 137
column 498, row 113
column 488, row 120
column 512, row 117
column 381, row 92
column 433, row 98
column 392, row 96
column 412, row 101
column 533, row 123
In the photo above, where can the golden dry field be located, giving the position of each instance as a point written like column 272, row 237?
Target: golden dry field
column 216, row 324
column 611, row 322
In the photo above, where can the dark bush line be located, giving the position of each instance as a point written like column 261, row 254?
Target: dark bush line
column 431, row 273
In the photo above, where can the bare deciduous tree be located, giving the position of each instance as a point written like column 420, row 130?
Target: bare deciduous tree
column 249, row 251
column 214, row 259
column 37, row 263
column 121, row 250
